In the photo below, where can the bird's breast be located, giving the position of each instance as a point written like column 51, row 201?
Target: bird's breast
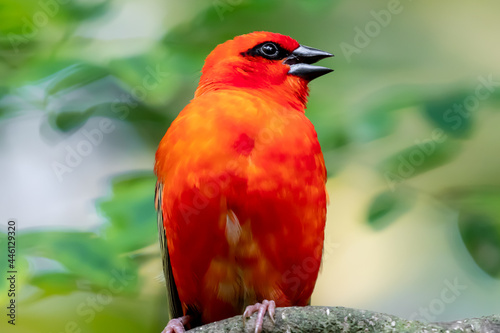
column 244, row 200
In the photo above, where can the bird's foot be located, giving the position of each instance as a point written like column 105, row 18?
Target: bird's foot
column 266, row 305
column 176, row 325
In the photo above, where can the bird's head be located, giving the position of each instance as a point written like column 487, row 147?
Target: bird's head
column 265, row 62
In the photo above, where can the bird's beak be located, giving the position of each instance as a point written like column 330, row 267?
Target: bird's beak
column 300, row 61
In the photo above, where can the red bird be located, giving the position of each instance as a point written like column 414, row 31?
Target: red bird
column 241, row 193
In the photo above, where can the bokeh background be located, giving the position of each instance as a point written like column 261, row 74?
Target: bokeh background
column 409, row 125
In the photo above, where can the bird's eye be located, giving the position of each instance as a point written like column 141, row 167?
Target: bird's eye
column 270, row 50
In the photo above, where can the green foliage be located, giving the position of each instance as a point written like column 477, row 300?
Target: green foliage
column 55, row 283
column 86, row 255
column 387, row 207
column 439, row 112
column 380, row 110
column 479, row 225
column 91, row 257
column 420, row 158
column 131, row 212
column 73, row 77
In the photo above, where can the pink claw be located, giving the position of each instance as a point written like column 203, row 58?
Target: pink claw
column 266, row 305
column 176, row 325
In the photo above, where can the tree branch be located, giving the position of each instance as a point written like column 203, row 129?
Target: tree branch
column 323, row 319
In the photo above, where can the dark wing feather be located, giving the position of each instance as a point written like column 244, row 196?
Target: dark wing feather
column 174, row 302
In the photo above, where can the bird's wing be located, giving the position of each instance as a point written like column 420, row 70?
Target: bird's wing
column 175, row 307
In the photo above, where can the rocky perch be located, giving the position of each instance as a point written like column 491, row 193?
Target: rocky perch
column 324, row 319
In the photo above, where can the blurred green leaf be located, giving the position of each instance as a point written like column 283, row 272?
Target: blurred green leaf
column 86, row 10
column 18, row 16
column 68, row 120
column 131, row 212
column 377, row 115
column 83, row 254
column 479, row 225
column 376, row 124
column 74, row 77
column 448, row 113
column 55, row 283
column 422, row 157
column 387, row 207
column 481, row 235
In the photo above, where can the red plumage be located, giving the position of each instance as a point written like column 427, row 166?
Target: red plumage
column 241, row 179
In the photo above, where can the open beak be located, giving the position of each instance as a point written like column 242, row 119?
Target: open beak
column 300, row 61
